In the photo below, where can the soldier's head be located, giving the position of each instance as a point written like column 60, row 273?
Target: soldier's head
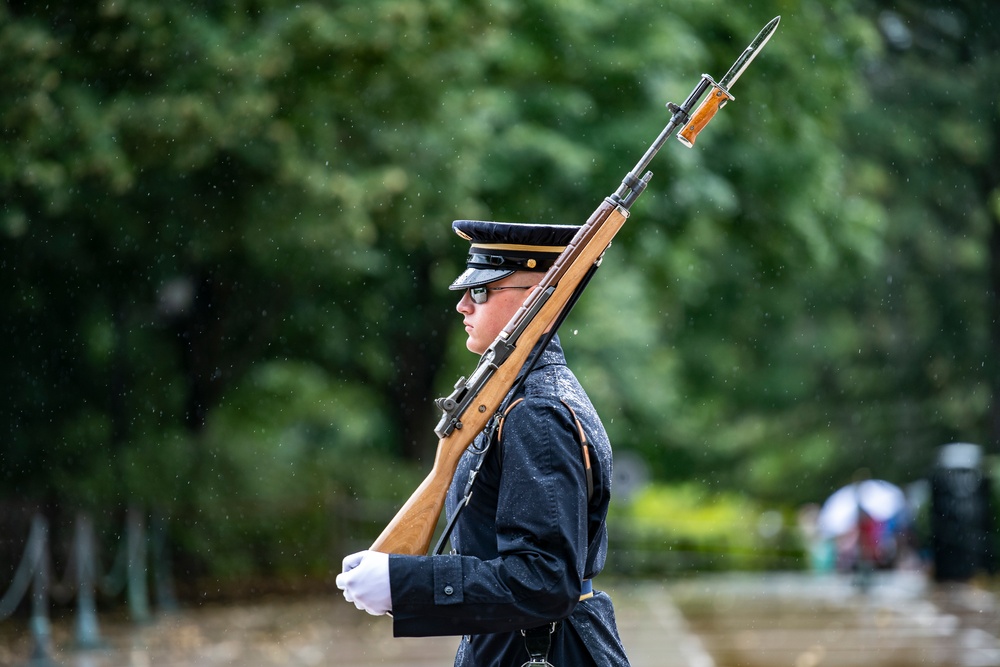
column 505, row 260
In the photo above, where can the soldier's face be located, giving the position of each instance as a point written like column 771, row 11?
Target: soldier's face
column 484, row 321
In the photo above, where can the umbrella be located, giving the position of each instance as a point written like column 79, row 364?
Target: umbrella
column 879, row 499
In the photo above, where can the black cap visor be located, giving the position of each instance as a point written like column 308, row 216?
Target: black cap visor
column 473, row 277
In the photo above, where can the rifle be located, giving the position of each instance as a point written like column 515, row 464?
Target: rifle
column 476, row 401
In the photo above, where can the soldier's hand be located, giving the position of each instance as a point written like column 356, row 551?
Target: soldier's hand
column 365, row 582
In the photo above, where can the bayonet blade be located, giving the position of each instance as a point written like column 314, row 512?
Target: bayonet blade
column 749, row 54
column 719, row 94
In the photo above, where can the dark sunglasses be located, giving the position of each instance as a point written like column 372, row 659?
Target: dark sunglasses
column 480, row 294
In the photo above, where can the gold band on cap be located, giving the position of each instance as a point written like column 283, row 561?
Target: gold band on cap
column 519, row 247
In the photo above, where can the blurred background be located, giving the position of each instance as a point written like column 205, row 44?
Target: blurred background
column 225, row 247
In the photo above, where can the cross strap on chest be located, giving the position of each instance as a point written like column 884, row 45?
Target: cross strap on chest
column 582, row 439
column 495, row 433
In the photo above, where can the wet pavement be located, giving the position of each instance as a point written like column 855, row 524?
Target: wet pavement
column 897, row 619
column 774, row 620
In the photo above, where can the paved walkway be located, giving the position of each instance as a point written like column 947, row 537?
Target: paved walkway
column 796, row 620
column 898, row 620
column 654, row 631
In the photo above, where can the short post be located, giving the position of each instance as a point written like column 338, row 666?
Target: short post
column 138, row 592
column 88, row 634
column 166, row 598
column 41, row 628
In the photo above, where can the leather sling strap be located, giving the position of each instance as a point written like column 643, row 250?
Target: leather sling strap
column 584, row 443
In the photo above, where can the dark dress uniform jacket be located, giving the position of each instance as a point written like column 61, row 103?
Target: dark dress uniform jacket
column 526, row 541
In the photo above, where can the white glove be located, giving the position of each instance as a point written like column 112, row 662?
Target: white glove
column 365, row 582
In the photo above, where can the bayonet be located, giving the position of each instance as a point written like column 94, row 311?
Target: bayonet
column 719, row 95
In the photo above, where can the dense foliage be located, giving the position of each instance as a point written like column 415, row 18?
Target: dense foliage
column 225, row 244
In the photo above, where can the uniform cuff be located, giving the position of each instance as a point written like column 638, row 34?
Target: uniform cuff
column 448, row 580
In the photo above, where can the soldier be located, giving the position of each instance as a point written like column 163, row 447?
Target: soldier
column 527, row 545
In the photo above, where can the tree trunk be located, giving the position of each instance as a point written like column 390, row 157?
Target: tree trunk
column 420, row 353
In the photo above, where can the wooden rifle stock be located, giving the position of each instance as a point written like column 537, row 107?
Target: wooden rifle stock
column 412, row 529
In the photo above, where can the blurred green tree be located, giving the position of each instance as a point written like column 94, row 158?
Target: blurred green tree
column 937, row 168
column 225, row 239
